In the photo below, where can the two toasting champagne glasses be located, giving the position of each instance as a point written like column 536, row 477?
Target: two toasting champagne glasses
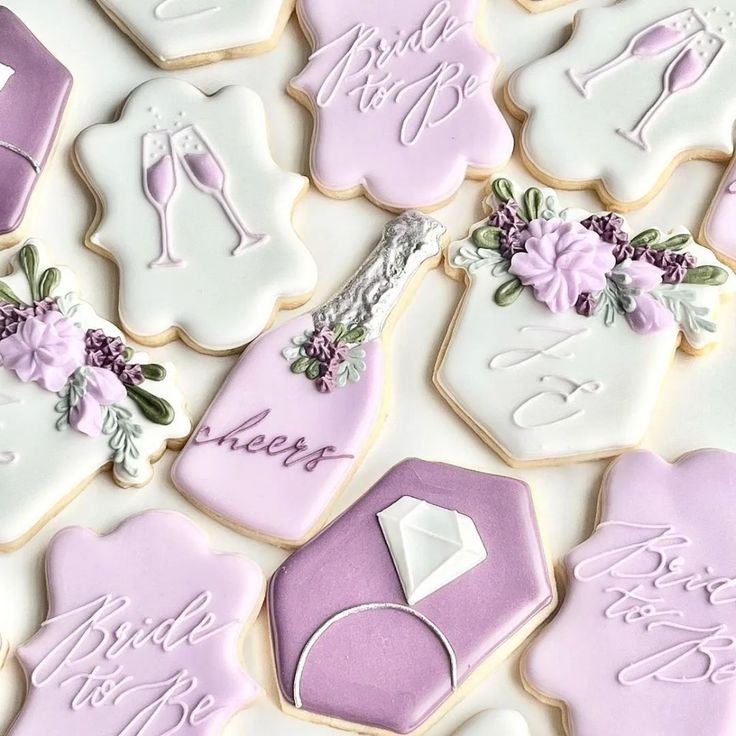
column 203, row 169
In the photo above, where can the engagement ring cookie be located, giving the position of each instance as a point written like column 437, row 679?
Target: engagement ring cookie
column 185, row 33
column 74, row 399
column 495, row 723
column 298, row 412
column 34, row 90
column 719, row 227
column 197, row 216
column 569, row 324
column 406, row 601
column 143, row 633
column 402, row 99
column 639, row 88
column 645, row 641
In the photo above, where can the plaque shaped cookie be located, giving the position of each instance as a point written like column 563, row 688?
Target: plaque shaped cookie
column 405, row 601
column 719, row 227
column 74, row 399
column 638, row 89
column 196, row 214
column 402, row 99
column 644, row 642
column 34, row 89
column 142, row 634
column 569, row 323
column 185, row 33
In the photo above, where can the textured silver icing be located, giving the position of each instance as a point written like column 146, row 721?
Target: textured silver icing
column 373, row 291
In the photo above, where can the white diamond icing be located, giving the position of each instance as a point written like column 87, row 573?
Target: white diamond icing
column 431, row 546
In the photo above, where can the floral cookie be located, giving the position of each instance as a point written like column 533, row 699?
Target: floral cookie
column 34, row 90
column 495, row 723
column 585, row 317
column 197, row 215
column 644, row 642
column 402, row 604
column 639, row 88
column 300, row 409
column 185, row 33
column 73, row 399
column 142, row 634
column 719, row 227
column 413, row 86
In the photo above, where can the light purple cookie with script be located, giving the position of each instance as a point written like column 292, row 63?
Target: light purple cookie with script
column 142, row 634
column 402, row 99
column 645, row 642
column 405, row 601
column 34, row 89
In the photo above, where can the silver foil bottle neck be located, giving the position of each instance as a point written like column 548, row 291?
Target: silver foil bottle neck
column 371, row 294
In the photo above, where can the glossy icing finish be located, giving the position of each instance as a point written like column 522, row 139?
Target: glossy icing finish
column 142, row 633
column 719, row 227
column 644, row 642
column 495, row 723
column 381, row 667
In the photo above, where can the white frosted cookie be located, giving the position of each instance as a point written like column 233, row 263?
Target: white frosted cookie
column 719, row 226
column 197, row 216
column 541, row 6
column 569, row 324
column 639, row 88
column 495, row 723
column 185, row 33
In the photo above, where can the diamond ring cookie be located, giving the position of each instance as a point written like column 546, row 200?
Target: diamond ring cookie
column 183, row 33
column 142, row 634
column 568, row 325
column 74, row 399
column 197, row 216
column 644, row 642
column 403, row 603
column 638, row 89
column 402, row 99
column 719, row 226
column 298, row 412
column 34, row 90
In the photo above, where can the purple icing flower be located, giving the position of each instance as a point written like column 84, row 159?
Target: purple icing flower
column 46, row 349
column 329, row 370
column 320, row 345
column 610, row 229
column 649, row 315
column 586, row 304
column 508, row 220
column 640, row 275
column 11, row 317
column 562, row 261
column 103, row 389
column 107, row 352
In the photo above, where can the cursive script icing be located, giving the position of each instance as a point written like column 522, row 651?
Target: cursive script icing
column 291, row 452
column 360, row 66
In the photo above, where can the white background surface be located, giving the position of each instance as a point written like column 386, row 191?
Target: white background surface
column 696, row 409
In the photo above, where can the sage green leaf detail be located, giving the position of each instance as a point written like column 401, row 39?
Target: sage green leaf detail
column 706, row 276
column 153, row 372
column 503, row 190
column 300, row 365
column 533, row 203
column 313, row 369
column 153, row 408
column 508, row 292
column 8, row 295
column 676, row 242
column 487, row 236
column 29, row 264
column 338, row 331
column 647, row 237
column 355, row 335
column 49, row 282
column 128, row 354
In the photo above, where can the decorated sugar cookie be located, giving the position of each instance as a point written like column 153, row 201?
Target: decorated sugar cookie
column 196, row 214
column 299, row 410
column 389, row 616
column 639, row 88
column 143, row 633
column 34, row 89
column 559, row 347
column 644, row 642
column 495, row 723
column 719, row 227
column 185, row 33
column 412, row 84
column 74, row 399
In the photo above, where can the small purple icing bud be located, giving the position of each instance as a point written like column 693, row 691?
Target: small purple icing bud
column 585, row 305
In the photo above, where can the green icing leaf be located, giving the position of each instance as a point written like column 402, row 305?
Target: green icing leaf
column 487, row 236
column 508, row 292
column 49, row 281
column 153, row 408
column 503, row 189
column 8, row 295
column 153, row 372
column 128, row 354
column 29, row 264
column 647, row 237
column 355, row 335
column 312, row 370
column 338, row 331
column 533, row 203
column 706, row 276
column 676, row 242
column 300, row 365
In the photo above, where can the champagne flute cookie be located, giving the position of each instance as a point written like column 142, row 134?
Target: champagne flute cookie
column 569, row 324
column 638, row 89
column 402, row 99
column 197, row 216
column 719, row 226
column 74, row 399
column 142, row 634
column 391, row 615
column 299, row 410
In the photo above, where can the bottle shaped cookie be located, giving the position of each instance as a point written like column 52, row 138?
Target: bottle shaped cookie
column 298, row 411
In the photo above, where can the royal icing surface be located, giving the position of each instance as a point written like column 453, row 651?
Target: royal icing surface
column 413, row 85
column 347, row 643
column 34, row 88
column 193, row 204
column 73, row 398
column 495, row 723
column 644, row 642
column 200, row 31
column 719, row 228
column 586, row 315
column 638, row 86
column 296, row 413
column 142, row 634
